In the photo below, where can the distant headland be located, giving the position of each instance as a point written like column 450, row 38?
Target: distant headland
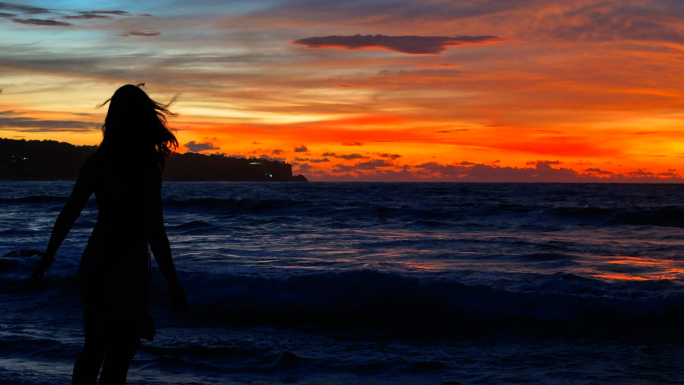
column 52, row 160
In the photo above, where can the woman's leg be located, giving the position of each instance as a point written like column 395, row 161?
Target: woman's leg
column 123, row 340
column 89, row 361
column 117, row 361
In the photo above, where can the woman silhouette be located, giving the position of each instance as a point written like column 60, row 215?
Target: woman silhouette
column 125, row 175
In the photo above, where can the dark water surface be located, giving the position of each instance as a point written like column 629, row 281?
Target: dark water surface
column 377, row 283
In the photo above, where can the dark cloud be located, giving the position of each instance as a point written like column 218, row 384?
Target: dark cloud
column 266, row 157
column 23, row 8
column 277, row 151
column 365, row 166
column 31, row 10
column 640, row 174
column 338, row 168
column 373, row 164
column 543, row 162
column 28, row 11
column 378, row 170
column 87, row 16
column 482, row 172
column 301, row 148
column 115, row 12
column 352, row 144
column 345, row 157
column 351, row 156
column 35, row 125
column 598, row 171
column 669, row 174
column 303, row 168
column 324, row 160
column 415, row 45
column 42, row 22
column 140, row 33
column 392, row 156
column 198, row 147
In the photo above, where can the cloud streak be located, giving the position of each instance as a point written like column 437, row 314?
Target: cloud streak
column 345, row 156
column 42, row 22
column 413, row 45
column 31, row 10
column 24, row 14
column 87, row 16
column 140, row 33
column 24, row 124
column 112, row 12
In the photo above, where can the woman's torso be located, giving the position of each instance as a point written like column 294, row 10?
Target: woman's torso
column 125, row 191
column 113, row 271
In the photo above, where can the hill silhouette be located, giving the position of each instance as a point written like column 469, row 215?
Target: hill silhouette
column 52, row 160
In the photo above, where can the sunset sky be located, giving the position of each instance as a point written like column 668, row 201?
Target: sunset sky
column 472, row 90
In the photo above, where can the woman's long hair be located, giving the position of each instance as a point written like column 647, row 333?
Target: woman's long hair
column 135, row 126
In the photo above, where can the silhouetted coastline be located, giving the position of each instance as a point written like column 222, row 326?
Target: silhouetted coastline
column 45, row 160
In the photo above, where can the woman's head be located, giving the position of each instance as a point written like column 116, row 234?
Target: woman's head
column 136, row 123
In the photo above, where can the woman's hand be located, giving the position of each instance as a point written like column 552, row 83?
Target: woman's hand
column 178, row 300
column 42, row 266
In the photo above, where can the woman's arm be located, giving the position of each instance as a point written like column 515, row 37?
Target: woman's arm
column 66, row 219
column 159, row 243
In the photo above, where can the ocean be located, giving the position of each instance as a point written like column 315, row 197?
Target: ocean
column 374, row 283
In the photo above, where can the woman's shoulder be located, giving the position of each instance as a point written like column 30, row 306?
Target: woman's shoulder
column 91, row 161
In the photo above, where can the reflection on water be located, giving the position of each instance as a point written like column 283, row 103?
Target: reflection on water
column 643, row 268
column 618, row 276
